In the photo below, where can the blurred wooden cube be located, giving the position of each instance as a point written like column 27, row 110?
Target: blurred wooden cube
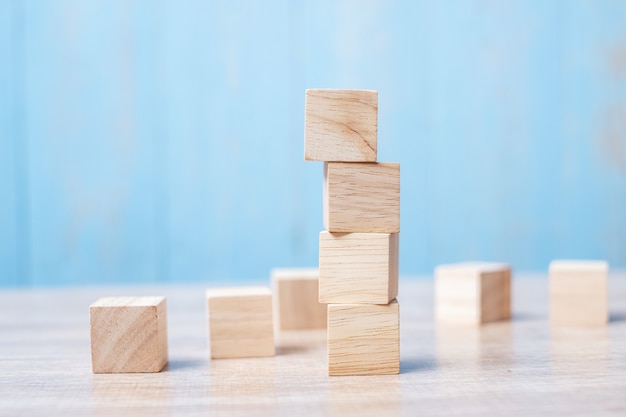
column 128, row 334
column 472, row 293
column 296, row 300
column 240, row 322
column 362, row 197
column 341, row 125
column 578, row 293
column 364, row 339
column 358, row 267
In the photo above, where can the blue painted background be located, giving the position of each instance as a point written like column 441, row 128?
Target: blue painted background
column 154, row 141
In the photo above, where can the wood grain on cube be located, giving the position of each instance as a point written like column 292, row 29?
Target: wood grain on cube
column 296, row 300
column 472, row 293
column 341, row 125
column 128, row 334
column 240, row 322
column 363, row 339
column 362, row 197
column 358, row 267
column 578, row 293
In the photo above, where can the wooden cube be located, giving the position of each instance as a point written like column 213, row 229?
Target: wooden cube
column 128, row 334
column 362, row 197
column 578, row 293
column 364, row 339
column 341, row 125
column 472, row 293
column 240, row 322
column 296, row 304
column 358, row 267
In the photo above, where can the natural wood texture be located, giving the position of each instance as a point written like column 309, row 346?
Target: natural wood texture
column 341, row 125
column 363, row 339
column 296, row 299
column 362, row 197
column 578, row 293
column 472, row 293
column 518, row 368
column 128, row 334
column 358, row 267
column 240, row 322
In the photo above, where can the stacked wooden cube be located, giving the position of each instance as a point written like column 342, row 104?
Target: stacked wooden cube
column 358, row 259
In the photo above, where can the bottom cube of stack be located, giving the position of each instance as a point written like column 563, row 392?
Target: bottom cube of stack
column 364, row 339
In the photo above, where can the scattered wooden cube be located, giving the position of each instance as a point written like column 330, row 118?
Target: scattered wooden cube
column 341, row 125
column 128, row 334
column 364, row 339
column 578, row 293
column 240, row 322
column 296, row 304
column 472, row 293
column 362, row 197
column 358, row 267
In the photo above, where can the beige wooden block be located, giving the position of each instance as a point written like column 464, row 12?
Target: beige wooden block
column 296, row 304
column 240, row 322
column 472, row 293
column 128, row 334
column 358, row 267
column 341, row 125
column 362, row 197
column 578, row 293
column 364, row 339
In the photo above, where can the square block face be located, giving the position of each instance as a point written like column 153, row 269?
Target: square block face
column 472, row 293
column 359, row 268
column 364, row 339
column 128, row 334
column 341, row 125
column 362, row 197
column 240, row 322
column 296, row 304
column 578, row 293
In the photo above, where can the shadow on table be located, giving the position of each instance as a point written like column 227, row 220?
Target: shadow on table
column 178, row 364
column 526, row 317
column 616, row 317
column 408, row 366
column 290, row 350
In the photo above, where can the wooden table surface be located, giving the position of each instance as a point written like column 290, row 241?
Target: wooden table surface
column 522, row 367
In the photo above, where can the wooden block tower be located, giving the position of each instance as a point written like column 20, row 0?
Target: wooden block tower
column 358, row 259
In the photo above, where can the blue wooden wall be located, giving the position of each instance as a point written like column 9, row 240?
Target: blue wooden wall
column 154, row 141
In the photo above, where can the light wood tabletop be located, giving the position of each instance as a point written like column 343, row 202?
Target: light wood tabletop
column 522, row 367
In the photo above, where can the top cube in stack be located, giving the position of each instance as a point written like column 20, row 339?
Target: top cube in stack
column 358, row 263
